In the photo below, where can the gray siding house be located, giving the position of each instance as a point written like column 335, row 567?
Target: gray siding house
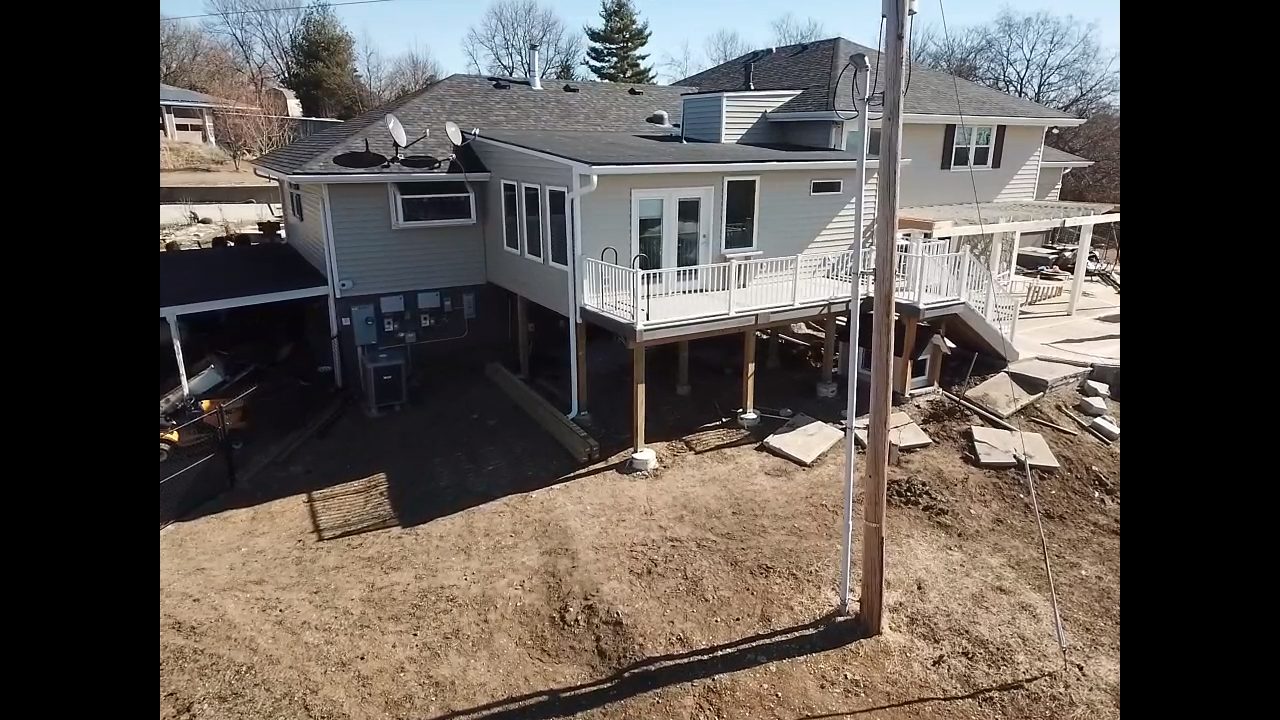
column 726, row 203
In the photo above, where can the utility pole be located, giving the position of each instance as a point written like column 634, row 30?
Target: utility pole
column 861, row 68
column 871, row 604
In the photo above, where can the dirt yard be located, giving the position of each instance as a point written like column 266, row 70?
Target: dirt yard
column 519, row 588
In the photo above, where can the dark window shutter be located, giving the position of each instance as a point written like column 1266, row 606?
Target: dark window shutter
column 948, row 146
column 998, row 151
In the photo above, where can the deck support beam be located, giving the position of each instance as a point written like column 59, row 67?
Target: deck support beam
column 749, row 417
column 522, row 335
column 826, row 387
column 682, row 368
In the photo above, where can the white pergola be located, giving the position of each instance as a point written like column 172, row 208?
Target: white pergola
column 1013, row 218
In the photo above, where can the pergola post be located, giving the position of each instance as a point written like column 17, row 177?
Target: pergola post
column 1082, row 263
column 176, row 335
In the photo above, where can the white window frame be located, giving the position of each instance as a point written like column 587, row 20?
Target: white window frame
column 724, row 216
column 502, row 217
column 568, row 218
column 524, row 222
column 973, row 136
column 295, row 201
column 837, row 191
column 397, row 210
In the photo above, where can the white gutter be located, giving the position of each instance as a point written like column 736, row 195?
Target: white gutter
column 575, row 310
column 369, row 177
column 731, row 167
column 922, row 119
column 243, row 301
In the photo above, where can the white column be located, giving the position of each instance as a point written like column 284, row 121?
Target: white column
column 1016, row 238
column 176, row 335
column 1082, row 261
column 170, row 132
column 997, row 240
column 208, row 127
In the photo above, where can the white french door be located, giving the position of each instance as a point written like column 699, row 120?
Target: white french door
column 671, row 228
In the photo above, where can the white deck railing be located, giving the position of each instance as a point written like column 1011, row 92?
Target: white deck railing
column 925, row 275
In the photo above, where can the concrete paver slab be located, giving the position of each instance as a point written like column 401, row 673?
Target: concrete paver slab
column 1107, row 427
column 1042, row 375
column 803, row 439
column 1001, row 395
column 1094, row 406
column 1002, row 448
column 1093, row 388
column 1032, row 446
column 903, row 432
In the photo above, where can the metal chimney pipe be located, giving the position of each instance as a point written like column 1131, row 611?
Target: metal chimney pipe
column 751, row 76
column 535, row 69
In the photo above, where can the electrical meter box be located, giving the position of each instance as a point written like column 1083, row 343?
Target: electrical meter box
column 385, row 379
column 364, row 325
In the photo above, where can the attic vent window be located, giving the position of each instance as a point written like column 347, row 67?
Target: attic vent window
column 634, row 91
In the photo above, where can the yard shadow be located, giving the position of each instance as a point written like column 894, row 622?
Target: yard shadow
column 826, row 633
column 980, row 692
column 459, row 443
column 1076, row 341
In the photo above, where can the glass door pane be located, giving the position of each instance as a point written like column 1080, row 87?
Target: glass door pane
column 688, row 230
column 649, row 216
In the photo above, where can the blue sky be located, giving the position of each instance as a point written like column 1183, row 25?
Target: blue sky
column 440, row 24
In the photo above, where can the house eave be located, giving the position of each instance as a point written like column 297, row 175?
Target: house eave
column 343, row 178
column 1066, row 164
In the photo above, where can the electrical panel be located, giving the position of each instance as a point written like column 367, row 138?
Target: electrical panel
column 364, row 325
column 412, row 318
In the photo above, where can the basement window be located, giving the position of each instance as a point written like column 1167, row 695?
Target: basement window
column 431, row 204
column 826, row 187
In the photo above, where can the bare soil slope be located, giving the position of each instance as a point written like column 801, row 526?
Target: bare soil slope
column 699, row 592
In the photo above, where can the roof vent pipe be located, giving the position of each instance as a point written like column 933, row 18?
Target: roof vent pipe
column 535, row 70
column 751, row 76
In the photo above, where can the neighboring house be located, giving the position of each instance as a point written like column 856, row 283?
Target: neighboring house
column 571, row 196
column 187, row 115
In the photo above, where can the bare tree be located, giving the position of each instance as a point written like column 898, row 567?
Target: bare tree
column 787, row 30
column 1098, row 140
column 1049, row 59
column 724, row 45
column 245, row 129
column 385, row 79
column 680, row 64
column 190, row 58
column 259, row 32
column 499, row 44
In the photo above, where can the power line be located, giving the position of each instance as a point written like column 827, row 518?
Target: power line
column 271, row 9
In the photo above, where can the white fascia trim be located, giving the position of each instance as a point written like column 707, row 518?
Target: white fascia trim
column 576, row 165
column 733, row 167
column 724, row 114
column 971, row 120
column 245, row 301
column 1066, row 163
column 843, row 116
column 376, row 178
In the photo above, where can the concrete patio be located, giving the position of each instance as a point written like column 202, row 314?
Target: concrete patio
column 1092, row 335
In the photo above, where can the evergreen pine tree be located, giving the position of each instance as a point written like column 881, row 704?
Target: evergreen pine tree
column 614, row 54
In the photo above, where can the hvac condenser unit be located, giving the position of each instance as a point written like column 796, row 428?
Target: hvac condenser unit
column 385, row 382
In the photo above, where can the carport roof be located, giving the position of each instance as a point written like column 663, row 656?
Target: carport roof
column 193, row 281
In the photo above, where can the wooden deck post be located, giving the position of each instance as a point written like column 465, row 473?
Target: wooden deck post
column 828, row 347
column 522, row 335
column 903, row 382
column 637, row 402
column 749, row 416
column 682, row 368
column 581, row 328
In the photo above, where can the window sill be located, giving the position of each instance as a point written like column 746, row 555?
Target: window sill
column 432, row 224
column 741, row 253
column 977, row 168
column 513, row 251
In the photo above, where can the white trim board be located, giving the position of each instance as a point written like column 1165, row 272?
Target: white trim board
column 370, row 177
column 1066, row 163
column 244, row 301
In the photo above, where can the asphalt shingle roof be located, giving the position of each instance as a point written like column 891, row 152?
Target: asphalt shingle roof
column 197, row 276
column 815, row 69
column 649, row 148
column 472, row 101
column 1056, row 155
column 171, row 94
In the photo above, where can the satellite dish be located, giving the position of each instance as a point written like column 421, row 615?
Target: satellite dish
column 455, row 134
column 396, row 130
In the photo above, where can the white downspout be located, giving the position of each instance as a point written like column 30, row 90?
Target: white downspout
column 571, row 274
